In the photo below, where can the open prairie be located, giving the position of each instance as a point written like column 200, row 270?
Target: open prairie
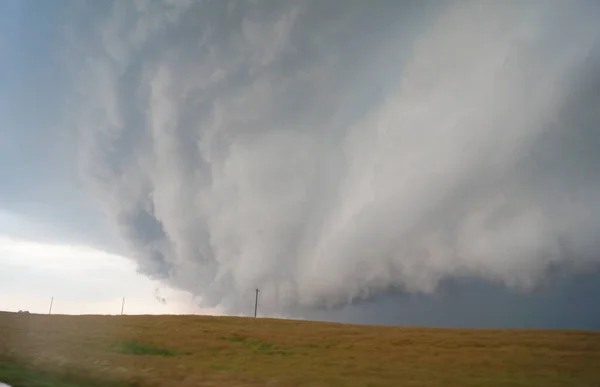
column 41, row 350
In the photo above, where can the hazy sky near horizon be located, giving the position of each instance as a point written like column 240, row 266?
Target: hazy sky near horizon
column 393, row 162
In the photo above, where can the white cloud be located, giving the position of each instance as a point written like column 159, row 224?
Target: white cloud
column 242, row 162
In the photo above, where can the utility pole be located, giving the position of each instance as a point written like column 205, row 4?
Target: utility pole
column 122, row 306
column 256, row 303
column 51, row 302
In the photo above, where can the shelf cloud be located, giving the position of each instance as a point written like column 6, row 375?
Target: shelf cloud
column 327, row 152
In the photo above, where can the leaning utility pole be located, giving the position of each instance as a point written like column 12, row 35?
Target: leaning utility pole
column 51, row 302
column 256, row 303
column 122, row 305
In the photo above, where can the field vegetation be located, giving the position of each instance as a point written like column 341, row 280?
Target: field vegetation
column 119, row 351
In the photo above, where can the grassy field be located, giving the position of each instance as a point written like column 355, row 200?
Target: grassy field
column 46, row 351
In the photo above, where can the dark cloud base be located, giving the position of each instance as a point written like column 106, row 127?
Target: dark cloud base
column 570, row 302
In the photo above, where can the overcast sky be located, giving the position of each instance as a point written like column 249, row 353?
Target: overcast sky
column 388, row 162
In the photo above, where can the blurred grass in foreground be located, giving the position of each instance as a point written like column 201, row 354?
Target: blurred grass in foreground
column 19, row 375
column 115, row 351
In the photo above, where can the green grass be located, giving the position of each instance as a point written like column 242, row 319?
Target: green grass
column 20, row 375
column 133, row 348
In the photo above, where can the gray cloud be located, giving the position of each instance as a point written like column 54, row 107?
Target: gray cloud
column 328, row 152
column 159, row 297
column 570, row 302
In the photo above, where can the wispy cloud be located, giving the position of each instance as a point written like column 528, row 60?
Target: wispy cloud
column 292, row 148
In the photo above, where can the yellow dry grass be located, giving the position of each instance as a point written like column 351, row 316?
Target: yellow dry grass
column 229, row 351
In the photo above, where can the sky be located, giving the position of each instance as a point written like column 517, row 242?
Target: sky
column 384, row 162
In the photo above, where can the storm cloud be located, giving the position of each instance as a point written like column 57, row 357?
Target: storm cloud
column 327, row 152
